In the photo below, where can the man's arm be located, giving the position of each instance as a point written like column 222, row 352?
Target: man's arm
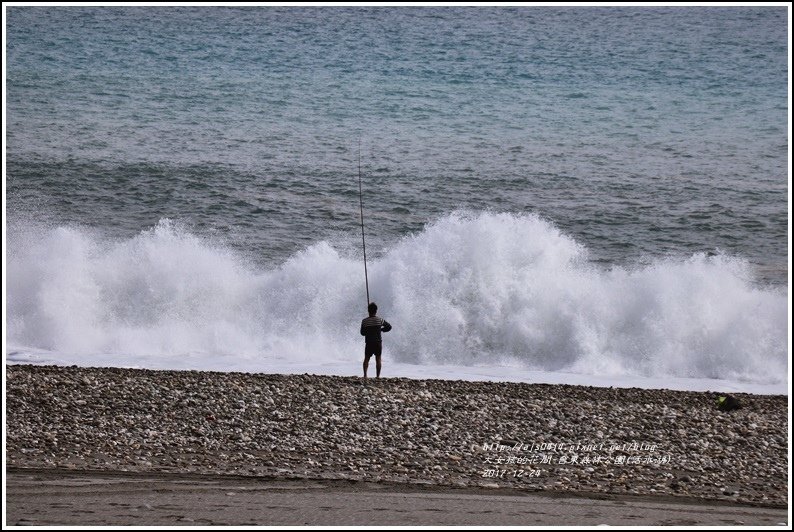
column 363, row 332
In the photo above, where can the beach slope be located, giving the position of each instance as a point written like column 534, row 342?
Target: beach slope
column 524, row 439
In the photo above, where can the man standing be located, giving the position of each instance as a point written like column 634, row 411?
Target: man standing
column 371, row 327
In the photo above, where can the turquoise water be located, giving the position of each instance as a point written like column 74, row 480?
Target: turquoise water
column 643, row 149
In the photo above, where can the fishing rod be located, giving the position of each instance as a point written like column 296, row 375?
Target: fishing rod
column 361, row 204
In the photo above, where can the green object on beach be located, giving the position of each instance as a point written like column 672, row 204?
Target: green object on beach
column 727, row 403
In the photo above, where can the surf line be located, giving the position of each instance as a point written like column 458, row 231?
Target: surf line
column 361, row 205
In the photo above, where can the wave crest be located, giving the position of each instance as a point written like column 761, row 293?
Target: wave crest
column 472, row 288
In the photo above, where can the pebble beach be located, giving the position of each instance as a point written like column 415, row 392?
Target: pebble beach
column 532, row 437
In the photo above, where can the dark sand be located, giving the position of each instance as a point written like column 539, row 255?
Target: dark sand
column 52, row 497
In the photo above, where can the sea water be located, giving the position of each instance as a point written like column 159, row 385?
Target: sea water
column 591, row 195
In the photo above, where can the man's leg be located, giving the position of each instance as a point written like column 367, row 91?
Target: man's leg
column 366, row 364
column 377, row 365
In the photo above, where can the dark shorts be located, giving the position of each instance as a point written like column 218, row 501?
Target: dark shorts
column 372, row 348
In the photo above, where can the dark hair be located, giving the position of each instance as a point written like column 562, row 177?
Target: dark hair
column 372, row 308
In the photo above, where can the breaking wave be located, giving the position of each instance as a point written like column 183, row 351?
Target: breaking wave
column 471, row 288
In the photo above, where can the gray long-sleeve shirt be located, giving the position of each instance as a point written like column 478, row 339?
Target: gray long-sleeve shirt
column 372, row 326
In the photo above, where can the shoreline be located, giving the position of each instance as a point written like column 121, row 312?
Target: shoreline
column 409, row 432
column 492, row 373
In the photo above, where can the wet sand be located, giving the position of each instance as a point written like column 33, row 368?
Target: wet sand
column 54, row 497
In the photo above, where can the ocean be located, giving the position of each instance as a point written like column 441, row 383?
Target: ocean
column 589, row 195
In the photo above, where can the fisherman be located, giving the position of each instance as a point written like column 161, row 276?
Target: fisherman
column 371, row 327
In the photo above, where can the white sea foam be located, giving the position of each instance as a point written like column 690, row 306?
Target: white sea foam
column 479, row 294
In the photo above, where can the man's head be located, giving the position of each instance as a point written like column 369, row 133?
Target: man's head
column 373, row 309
